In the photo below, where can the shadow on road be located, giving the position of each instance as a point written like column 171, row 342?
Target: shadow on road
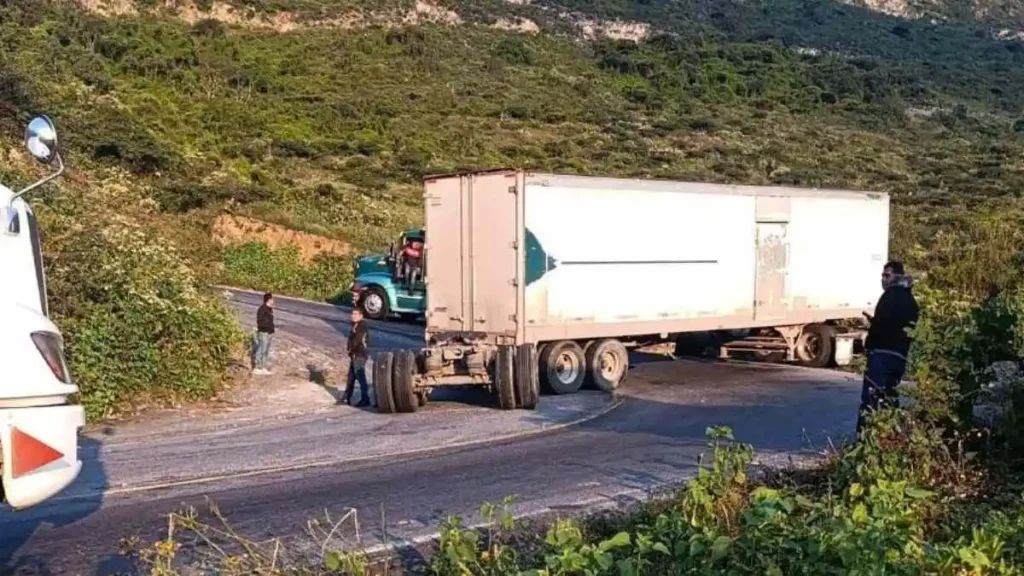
column 318, row 376
column 34, row 524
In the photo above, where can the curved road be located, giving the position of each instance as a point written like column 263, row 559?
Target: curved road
column 652, row 439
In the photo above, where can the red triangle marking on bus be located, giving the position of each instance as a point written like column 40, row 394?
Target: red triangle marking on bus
column 29, row 453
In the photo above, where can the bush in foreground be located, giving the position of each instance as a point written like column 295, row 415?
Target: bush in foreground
column 139, row 326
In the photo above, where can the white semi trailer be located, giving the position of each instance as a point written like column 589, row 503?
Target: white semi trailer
column 544, row 279
column 38, row 426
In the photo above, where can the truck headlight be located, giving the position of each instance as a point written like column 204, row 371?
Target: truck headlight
column 51, row 347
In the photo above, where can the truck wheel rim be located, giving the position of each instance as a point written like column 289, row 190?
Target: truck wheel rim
column 567, row 367
column 610, row 366
column 373, row 304
column 810, row 346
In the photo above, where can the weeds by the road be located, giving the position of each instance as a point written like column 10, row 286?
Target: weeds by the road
column 866, row 511
column 216, row 546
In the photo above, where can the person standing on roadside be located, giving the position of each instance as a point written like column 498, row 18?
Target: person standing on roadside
column 888, row 343
column 358, row 354
column 264, row 335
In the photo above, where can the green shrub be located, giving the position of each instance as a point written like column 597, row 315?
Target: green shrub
column 139, row 325
column 956, row 344
column 256, row 266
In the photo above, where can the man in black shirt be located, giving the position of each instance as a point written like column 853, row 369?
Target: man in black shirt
column 358, row 354
column 888, row 343
column 264, row 334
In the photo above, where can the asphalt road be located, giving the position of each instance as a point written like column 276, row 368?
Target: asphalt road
column 652, row 439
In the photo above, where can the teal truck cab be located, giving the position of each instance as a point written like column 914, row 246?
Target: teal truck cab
column 380, row 288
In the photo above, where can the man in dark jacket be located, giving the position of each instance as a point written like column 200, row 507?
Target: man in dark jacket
column 358, row 354
column 264, row 335
column 888, row 343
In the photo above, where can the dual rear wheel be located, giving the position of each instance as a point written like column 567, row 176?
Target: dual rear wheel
column 566, row 366
column 515, row 377
column 393, row 383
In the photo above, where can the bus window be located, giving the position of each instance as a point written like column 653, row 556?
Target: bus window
column 37, row 255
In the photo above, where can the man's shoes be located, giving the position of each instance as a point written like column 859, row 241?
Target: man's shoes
column 262, row 372
column 363, row 403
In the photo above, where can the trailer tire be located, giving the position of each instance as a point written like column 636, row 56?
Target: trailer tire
column 382, row 369
column 607, row 364
column 563, row 366
column 527, row 377
column 401, row 382
column 504, row 382
column 814, row 346
column 377, row 299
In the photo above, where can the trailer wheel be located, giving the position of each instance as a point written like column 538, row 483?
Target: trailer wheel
column 401, row 382
column 527, row 377
column 607, row 363
column 814, row 346
column 563, row 366
column 374, row 303
column 382, row 368
column 504, row 383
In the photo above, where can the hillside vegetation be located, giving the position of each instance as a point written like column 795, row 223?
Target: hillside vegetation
column 321, row 118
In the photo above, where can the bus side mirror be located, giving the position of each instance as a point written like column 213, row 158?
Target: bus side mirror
column 41, row 141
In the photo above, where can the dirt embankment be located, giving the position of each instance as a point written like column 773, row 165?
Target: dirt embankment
column 232, row 229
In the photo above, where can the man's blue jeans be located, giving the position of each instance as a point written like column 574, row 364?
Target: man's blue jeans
column 884, row 372
column 261, row 360
column 357, row 372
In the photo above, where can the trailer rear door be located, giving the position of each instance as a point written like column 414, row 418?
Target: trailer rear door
column 472, row 254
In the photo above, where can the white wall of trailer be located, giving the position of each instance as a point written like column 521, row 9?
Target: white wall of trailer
column 633, row 254
column 636, row 251
column 837, row 249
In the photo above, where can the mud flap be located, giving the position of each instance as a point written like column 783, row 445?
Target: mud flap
column 40, row 452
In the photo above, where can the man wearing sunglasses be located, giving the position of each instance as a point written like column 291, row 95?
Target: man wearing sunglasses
column 888, row 342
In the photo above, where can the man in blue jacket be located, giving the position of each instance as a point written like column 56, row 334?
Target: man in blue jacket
column 888, row 342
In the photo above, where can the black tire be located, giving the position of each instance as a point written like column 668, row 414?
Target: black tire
column 504, row 384
column 382, row 369
column 401, row 382
column 527, row 377
column 380, row 312
column 588, row 346
column 815, row 345
column 607, row 362
column 570, row 378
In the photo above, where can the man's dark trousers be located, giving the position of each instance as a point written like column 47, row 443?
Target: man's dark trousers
column 357, row 371
column 884, row 372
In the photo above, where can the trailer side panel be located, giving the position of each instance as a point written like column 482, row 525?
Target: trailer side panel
column 608, row 257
